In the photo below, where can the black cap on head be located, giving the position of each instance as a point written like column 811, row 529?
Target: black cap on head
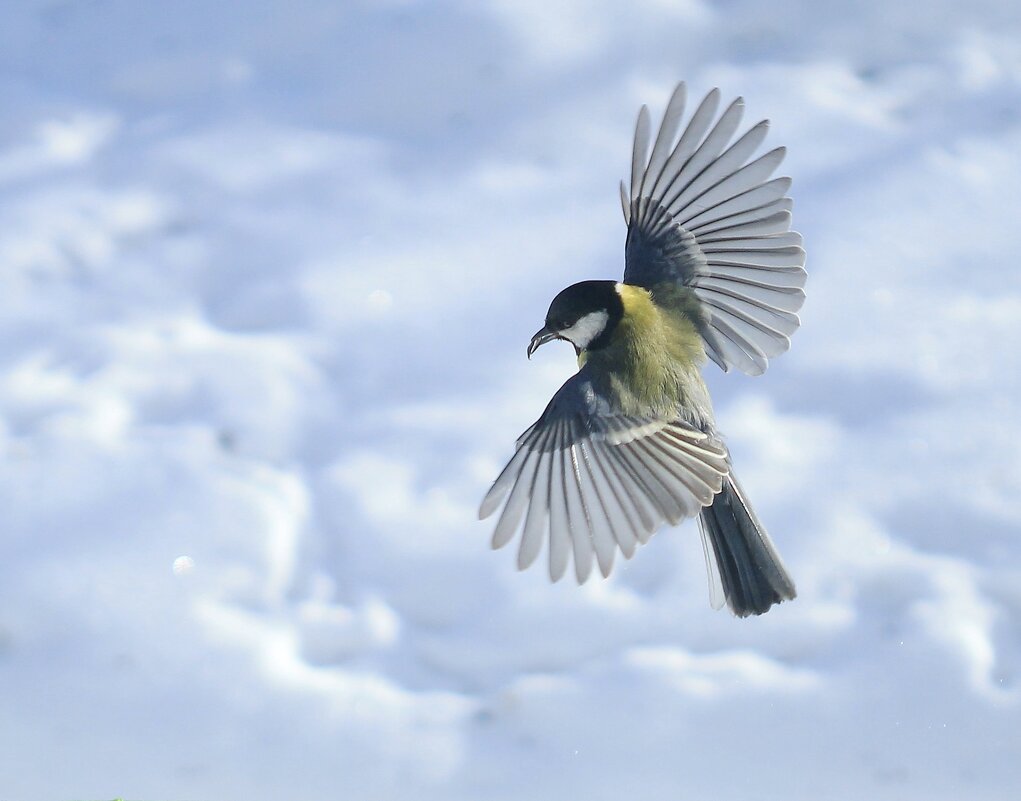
column 584, row 298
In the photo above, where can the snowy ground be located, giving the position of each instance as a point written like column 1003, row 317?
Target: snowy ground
column 267, row 274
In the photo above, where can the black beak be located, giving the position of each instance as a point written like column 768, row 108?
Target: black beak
column 542, row 336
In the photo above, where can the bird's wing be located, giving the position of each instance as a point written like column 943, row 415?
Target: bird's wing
column 704, row 218
column 591, row 480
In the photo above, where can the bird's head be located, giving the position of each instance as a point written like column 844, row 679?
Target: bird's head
column 584, row 314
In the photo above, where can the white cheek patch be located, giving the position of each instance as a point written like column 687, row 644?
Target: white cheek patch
column 586, row 329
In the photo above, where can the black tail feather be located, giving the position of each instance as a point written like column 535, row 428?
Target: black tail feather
column 751, row 571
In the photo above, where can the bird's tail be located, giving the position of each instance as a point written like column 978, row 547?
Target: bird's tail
column 739, row 552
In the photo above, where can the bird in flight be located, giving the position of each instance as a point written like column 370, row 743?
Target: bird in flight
column 628, row 443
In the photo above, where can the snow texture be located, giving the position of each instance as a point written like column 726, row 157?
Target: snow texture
column 267, row 275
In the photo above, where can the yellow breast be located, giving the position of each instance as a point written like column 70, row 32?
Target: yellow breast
column 656, row 354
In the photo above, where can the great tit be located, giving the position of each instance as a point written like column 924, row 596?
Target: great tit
column 713, row 270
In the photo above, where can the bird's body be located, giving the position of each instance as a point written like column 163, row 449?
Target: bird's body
column 629, row 442
column 653, row 362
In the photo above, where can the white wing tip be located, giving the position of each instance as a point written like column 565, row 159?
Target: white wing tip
column 489, row 505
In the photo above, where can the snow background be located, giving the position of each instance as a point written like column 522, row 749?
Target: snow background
column 267, row 274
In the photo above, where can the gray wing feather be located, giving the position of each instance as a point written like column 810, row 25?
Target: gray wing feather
column 518, row 501
column 600, row 513
column 667, row 132
column 538, row 503
column 708, row 218
column 578, row 515
column 641, row 147
column 559, row 522
column 588, row 481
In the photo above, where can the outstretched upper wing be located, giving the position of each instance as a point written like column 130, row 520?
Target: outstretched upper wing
column 705, row 216
column 592, row 480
